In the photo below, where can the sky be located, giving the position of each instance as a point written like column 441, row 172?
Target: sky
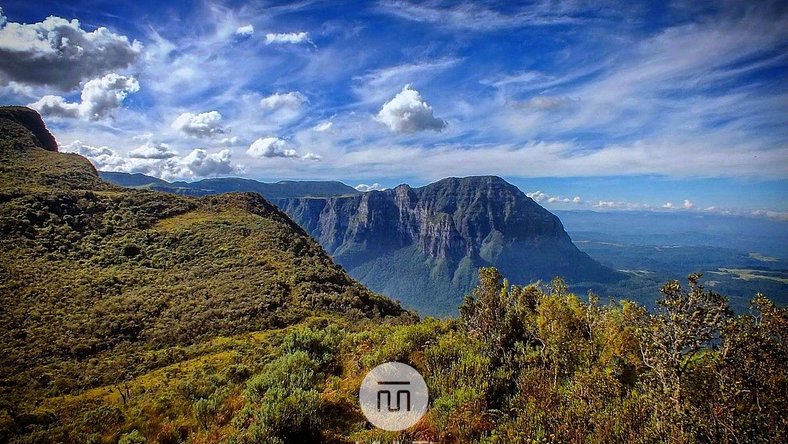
column 600, row 105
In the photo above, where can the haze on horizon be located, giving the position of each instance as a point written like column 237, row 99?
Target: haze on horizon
column 676, row 106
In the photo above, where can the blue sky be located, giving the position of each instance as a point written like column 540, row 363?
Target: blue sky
column 664, row 106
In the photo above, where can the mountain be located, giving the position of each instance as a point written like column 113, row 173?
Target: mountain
column 424, row 245
column 279, row 190
column 421, row 245
column 100, row 283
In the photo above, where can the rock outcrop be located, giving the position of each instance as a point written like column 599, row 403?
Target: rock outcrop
column 442, row 233
column 31, row 120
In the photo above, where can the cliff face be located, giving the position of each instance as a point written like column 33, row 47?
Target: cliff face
column 446, row 229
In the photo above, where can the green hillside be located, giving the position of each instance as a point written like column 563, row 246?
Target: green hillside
column 100, row 284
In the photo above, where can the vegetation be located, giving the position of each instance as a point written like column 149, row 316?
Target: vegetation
column 522, row 364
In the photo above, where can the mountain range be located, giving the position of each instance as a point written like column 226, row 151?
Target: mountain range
column 422, row 245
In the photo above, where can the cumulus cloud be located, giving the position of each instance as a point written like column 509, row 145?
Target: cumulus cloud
column 539, row 196
column 102, row 157
column 157, row 160
column 199, row 125
column 229, row 141
column 668, row 205
column 283, row 107
column 287, row 37
column 100, row 97
column 244, row 31
column 201, row 163
column 270, row 147
column 364, row 187
column 407, row 112
column 59, row 53
column 56, row 106
column 688, row 204
column 291, row 100
column 152, row 150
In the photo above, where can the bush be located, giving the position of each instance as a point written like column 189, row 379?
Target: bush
column 289, row 415
column 133, row 437
column 290, row 372
column 320, row 345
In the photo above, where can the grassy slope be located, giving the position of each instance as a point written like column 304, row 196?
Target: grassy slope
column 101, row 284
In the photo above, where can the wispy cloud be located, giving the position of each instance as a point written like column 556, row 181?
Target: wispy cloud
column 478, row 16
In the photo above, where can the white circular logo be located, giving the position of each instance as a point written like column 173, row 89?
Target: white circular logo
column 393, row 396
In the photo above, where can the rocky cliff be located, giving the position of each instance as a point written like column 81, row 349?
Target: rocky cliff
column 423, row 245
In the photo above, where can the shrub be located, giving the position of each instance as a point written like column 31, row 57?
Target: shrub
column 133, row 437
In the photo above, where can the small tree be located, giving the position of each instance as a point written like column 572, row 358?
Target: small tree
column 684, row 324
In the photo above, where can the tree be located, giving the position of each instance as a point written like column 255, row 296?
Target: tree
column 684, row 324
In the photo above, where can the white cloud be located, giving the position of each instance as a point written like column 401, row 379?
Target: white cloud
column 407, row 112
column 100, row 97
column 778, row 215
column 312, row 156
column 229, row 141
column 323, row 126
column 477, row 16
column 620, row 205
column 56, row 106
column 201, row 163
column 688, row 204
column 206, row 124
column 144, row 137
column 364, row 187
column 539, row 196
column 288, row 37
column 378, row 85
column 543, row 103
column 198, row 163
column 291, row 100
column 270, row 147
column 244, row 31
column 668, row 205
column 102, row 157
column 283, row 107
column 152, row 150
column 59, row 53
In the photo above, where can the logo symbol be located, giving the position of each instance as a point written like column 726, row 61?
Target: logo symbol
column 393, row 396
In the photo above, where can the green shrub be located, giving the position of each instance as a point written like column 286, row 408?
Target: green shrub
column 321, row 345
column 289, row 372
column 133, row 437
